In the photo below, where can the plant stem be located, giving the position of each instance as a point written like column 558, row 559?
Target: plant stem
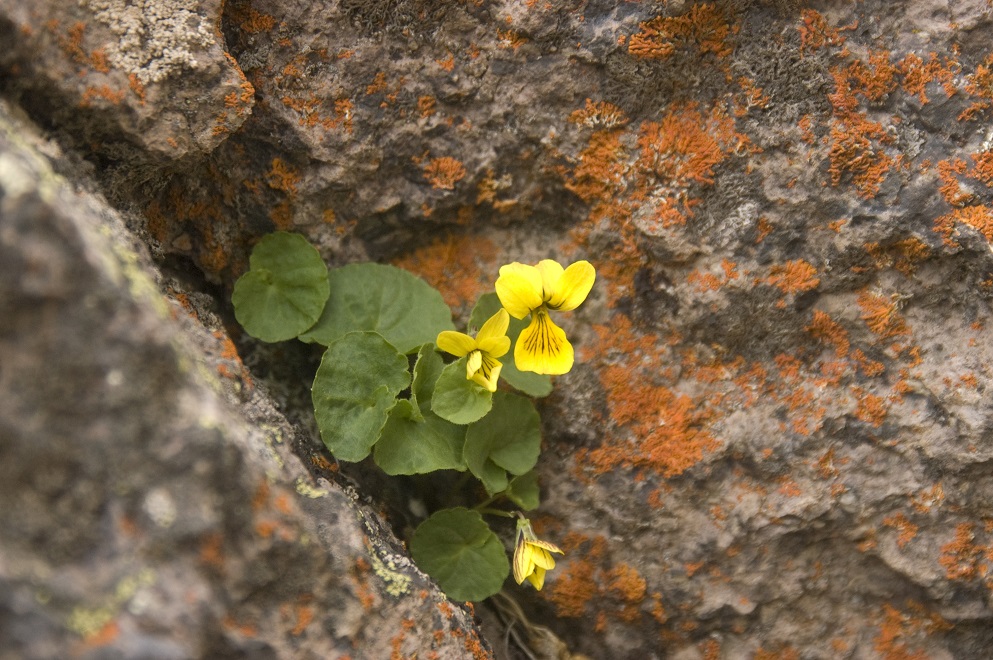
column 493, row 512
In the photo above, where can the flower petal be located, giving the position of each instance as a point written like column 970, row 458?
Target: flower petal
column 572, row 287
column 488, row 373
column 523, row 566
column 456, row 343
column 519, row 289
column 537, row 578
column 551, row 271
column 543, row 348
column 542, row 559
column 473, row 364
column 495, row 346
column 551, row 547
column 496, row 326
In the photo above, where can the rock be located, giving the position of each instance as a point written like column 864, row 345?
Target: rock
column 776, row 439
column 150, row 505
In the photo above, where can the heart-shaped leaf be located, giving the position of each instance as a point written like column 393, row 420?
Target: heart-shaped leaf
column 285, row 289
column 458, row 549
column 354, row 389
column 400, row 306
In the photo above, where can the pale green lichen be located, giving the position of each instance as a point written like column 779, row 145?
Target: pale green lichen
column 86, row 621
column 304, row 488
column 397, row 584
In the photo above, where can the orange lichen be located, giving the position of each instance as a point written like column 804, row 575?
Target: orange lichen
column 443, row 173
column 377, row 85
column 600, row 168
column 461, row 268
column 794, row 276
column 853, row 154
column 668, row 428
column 870, row 409
column 824, row 328
column 815, row 33
column 282, row 177
column 104, row 92
column 880, row 314
column 703, row 29
column 626, row 583
column 448, row 64
column 902, row 256
column 135, row 84
column 906, row 530
column 573, row 589
column 680, row 152
column 426, row 105
column 898, row 630
column 876, row 80
column 978, row 217
column 508, row 39
column 949, row 172
column 599, row 115
column 252, row 21
column 917, row 74
column 962, row 558
column 979, row 85
column 99, row 61
column 856, row 141
column 107, row 633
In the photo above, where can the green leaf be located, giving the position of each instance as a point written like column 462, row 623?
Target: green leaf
column 493, row 476
column 284, row 290
column 528, row 382
column 411, row 446
column 426, row 371
column 400, row 306
column 458, row 549
column 355, row 388
column 523, row 491
column 509, row 439
column 458, row 399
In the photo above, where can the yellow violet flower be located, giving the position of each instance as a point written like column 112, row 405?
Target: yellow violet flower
column 536, row 290
column 491, row 342
column 532, row 556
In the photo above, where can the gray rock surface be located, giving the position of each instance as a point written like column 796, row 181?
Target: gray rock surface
column 778, row 439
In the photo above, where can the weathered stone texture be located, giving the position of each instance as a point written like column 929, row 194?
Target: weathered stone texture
column 777, row 441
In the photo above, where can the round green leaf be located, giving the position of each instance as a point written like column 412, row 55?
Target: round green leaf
column 458, row 399
column 458, row 549
column 418, row 446
column 285, row 289
column 355, row 388
column 510, row 436
column 523, row 491
column 528, row 382
column 400, row 306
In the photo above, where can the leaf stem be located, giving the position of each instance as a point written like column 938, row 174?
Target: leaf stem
column 493, row 512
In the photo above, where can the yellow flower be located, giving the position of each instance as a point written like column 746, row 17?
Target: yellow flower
column 532, row 557
column 535, row 290
column 491, row 342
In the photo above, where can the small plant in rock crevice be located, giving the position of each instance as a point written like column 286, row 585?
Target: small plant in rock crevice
column 375, row 322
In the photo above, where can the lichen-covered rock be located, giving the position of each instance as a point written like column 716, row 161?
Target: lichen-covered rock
column 150, row 505
column 138, row 83
column 777, row 438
